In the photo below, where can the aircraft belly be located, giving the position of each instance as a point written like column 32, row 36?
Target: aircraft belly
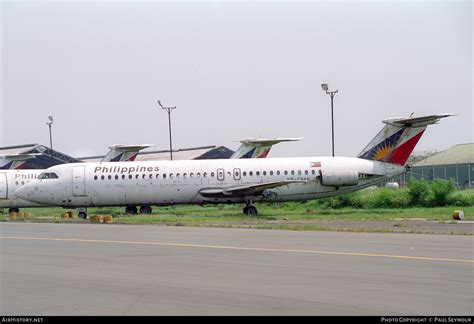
column 16, row 203
column 145, row 195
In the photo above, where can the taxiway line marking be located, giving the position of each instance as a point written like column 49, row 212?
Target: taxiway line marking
column 223, row 247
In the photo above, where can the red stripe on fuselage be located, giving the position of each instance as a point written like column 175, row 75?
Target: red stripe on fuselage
column 400, row 154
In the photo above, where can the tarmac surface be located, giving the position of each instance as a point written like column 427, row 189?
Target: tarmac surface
column 104, row 269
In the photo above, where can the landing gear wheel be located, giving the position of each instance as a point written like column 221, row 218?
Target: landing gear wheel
column 131, row 210
column 251, row 211
column 82, row 215
column 14, row 210
column 145, row 210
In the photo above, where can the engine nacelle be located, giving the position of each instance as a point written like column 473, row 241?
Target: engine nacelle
column 339, row 178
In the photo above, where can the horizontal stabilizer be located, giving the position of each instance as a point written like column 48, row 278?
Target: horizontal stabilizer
column 415, row 121
column 268, row 141
column 20, row 157
column 129, row 148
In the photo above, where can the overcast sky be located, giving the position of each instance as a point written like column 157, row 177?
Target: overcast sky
column 234, row 70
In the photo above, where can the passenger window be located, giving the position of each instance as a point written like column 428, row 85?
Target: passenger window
column 292, row 172
column 212, row 174
column 116, row 177
column 95, row 177
column 191, row 175
column 271, row 173
column 313, row 172
column 204, row 174
column 264, row 173
column 257, row 173
column 244, row 173
column 164, row 176
column 299, row 172
column 102, row 177
column 123, row 176
column 130, row 176
column 250, row 173
column 278, row 172
column 286, row 172
column 198, row 175
column 150, row 176
column 306, row 172
column 110, row 177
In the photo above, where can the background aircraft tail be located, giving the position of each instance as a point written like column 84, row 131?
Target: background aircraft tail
column 258, row 148
column 123, row 152
column 397, row 139
column 16, row 161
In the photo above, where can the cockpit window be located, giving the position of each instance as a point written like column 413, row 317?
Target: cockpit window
column 48, row 175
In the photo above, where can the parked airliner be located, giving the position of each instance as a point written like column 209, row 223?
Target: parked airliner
column 229, row 181
column 11, row 180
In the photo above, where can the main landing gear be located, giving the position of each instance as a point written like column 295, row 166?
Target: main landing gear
column 250, row 209
column 134, row 210
column 81, row 212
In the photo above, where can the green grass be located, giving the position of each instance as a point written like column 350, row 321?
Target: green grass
column 189, row 214
column 362, row 206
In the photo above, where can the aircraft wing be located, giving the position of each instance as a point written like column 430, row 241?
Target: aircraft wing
column 255, row 189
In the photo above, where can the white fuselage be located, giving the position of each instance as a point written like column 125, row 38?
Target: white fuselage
column 10, row 181
column 182, row 182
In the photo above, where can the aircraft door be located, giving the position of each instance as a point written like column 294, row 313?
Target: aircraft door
column 220, row 174
column 3, row 186
column 237, row 174
column 78, row 181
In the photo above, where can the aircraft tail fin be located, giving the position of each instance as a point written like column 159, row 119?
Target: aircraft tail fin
column 398, row 138
column 16, row 161
column 258, row 148
column 122, row 152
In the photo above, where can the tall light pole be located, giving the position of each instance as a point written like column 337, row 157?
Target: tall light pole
column 50, row 137
column 325, row 87
column 169, row 110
